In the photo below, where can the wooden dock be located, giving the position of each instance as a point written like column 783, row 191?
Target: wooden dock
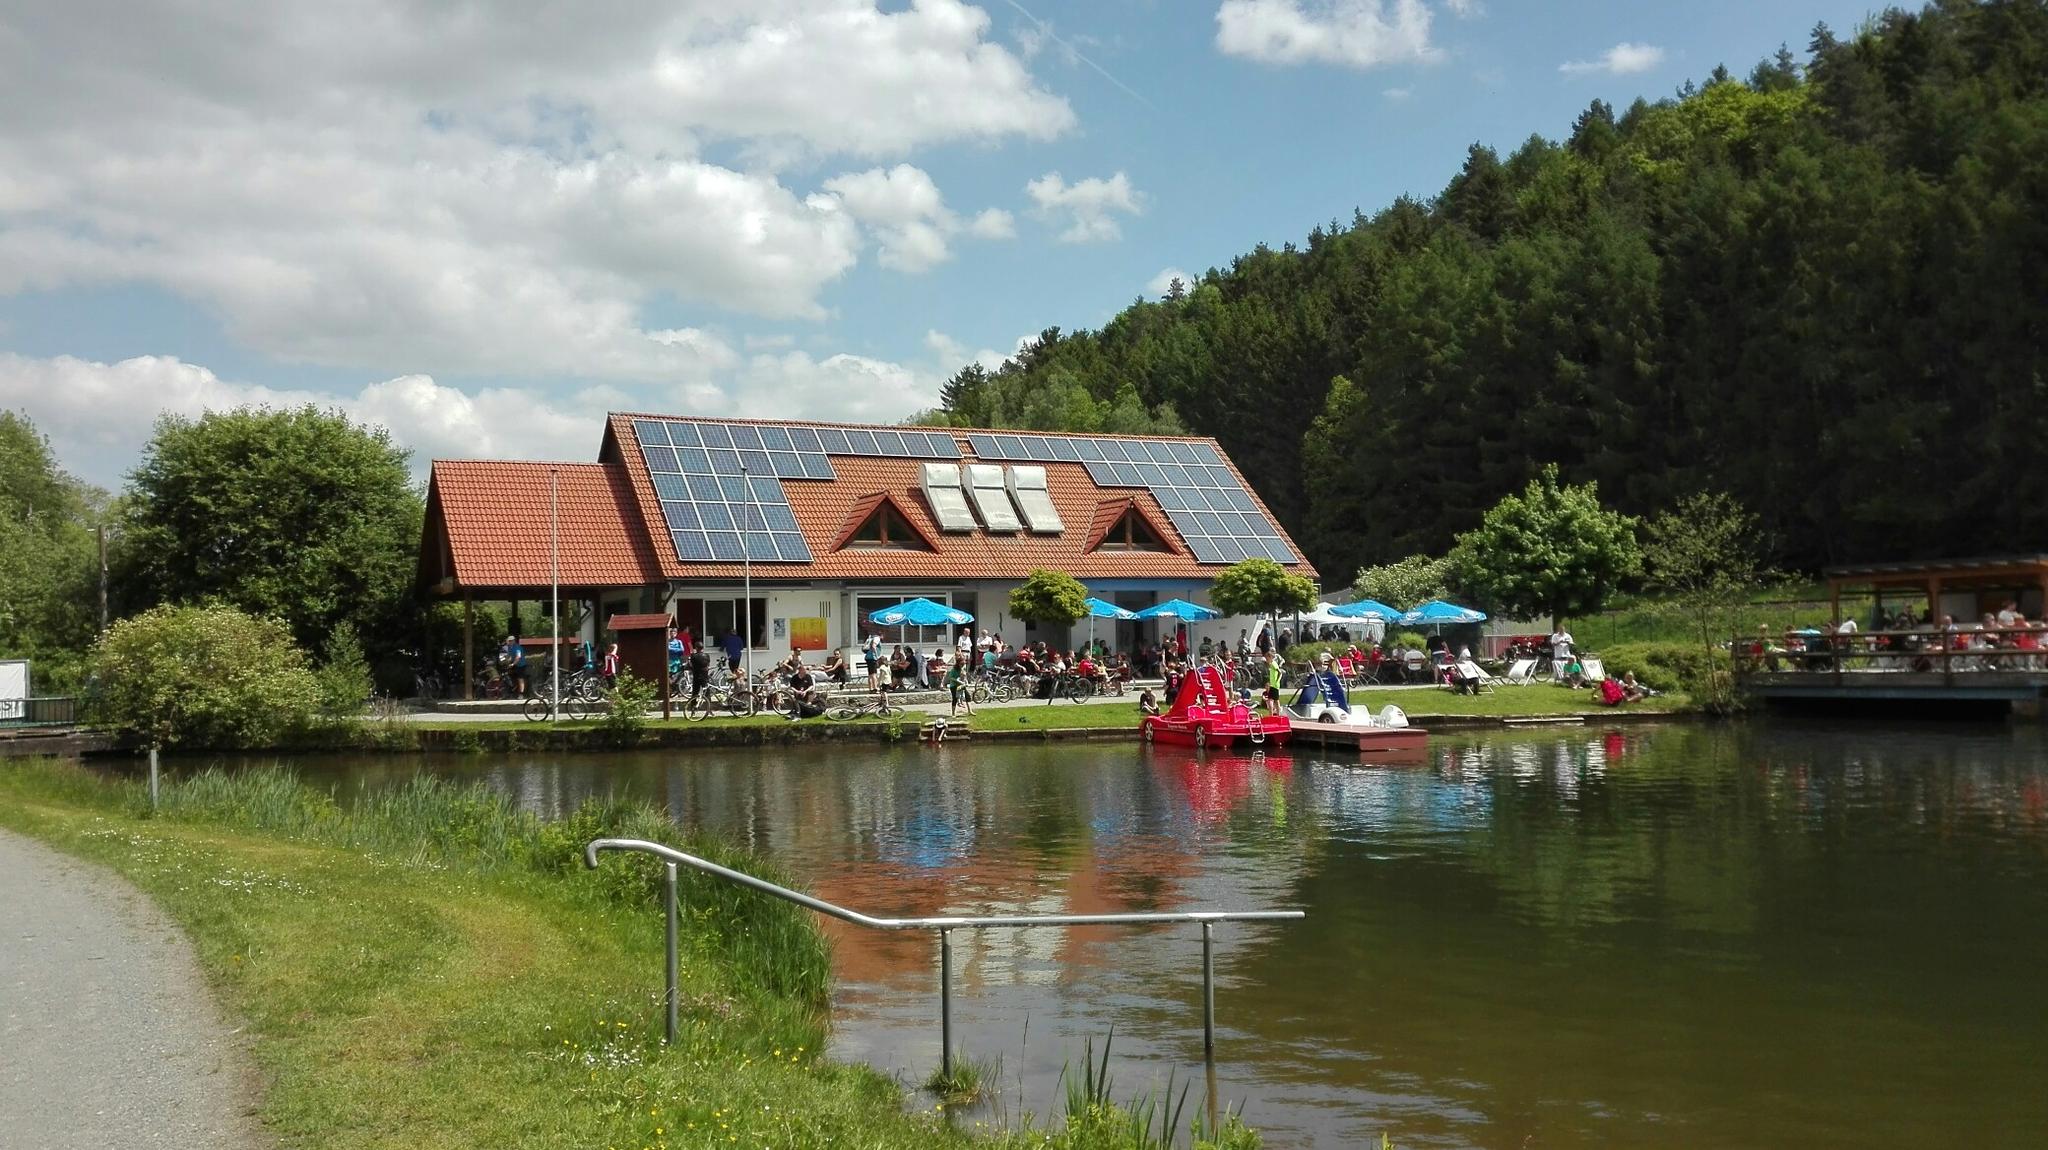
column 1374, row 742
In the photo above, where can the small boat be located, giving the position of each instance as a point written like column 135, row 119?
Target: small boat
column 1204, row 715
column 1323, row 714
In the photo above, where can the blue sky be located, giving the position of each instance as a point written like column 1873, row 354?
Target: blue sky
column 482, row 234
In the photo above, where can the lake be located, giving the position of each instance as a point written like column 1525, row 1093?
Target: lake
column 1761, row 934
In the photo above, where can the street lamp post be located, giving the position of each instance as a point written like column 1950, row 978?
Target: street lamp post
column 747, row 577
column 555, row 591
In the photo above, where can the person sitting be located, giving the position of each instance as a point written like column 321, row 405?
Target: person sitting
column 1119, row 670
column 1147, row 704
column 1612, row 694
column 1631, row 690
column 1464, row 676
column 1086, row 667
column 805, row 700
column 835, row 668
column 1574, row 674
column 899, row 667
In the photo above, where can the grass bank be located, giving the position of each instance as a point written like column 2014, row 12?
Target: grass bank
column 433, row 968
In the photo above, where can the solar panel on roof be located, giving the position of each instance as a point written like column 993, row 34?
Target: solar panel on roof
column 693, row 460
column 649, row 432
column 661, row 459
column 724, row 460
column 791, row 548
column 745, row 437
column 834, row 441
column 1205, row 551
column 888, row 443
column 983, row 445
column 1066, row 450
column 756, row 462
column 1127, row 475
column 1027, row 488
column 942, row 490
column 690, row 546
column 704, row 488
column 715, row 434
column 779, row 516
column 786, row 464
column 1206, row 453
column 716, row 516
column 725, row 545
column 1089, row 449
column 1176, row 475
column 684, row 435
column 671, row 487
column 1161, row 452
column 760, row 546
column 776, row 439
column 818, row 467
column 768, row 490
column 1101, row 474
column 804, row 439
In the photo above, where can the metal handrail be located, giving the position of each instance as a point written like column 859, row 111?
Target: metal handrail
column 945, row 925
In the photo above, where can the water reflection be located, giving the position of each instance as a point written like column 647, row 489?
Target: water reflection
column 1704, row 935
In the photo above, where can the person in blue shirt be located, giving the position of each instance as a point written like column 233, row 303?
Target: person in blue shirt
column 735, row 647
column 678, row 650
column 512, row 662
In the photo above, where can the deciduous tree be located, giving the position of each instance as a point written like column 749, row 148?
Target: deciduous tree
column 1551, row 550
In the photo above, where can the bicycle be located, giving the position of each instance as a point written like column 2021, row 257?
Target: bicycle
column 542, row 705
column 877, row 704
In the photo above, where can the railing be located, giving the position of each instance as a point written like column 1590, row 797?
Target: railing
column 945, row 926
column 1949, row 654
column 44, row 711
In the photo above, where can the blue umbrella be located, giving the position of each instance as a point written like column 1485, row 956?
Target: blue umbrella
column 1367, row 609
column 1180, row 609
column 919, row 613
column 1101, row 610
column 1439, row 612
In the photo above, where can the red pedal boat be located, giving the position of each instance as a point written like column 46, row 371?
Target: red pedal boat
column 1204, row 715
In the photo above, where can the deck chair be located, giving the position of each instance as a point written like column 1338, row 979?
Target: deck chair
column 1520, row 673
column 1595, row 670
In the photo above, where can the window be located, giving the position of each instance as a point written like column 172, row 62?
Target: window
column 710, row 619
column 886, row 529
column 1131, row 533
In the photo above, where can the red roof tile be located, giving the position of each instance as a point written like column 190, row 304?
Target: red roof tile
column 492, row 519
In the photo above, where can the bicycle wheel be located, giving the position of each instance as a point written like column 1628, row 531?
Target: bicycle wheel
column 1080, row 690
column 537, row 709
column 844, row 713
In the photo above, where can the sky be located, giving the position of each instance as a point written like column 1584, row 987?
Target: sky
column 483, row 226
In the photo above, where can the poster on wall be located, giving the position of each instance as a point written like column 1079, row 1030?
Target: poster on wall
column 807, row 633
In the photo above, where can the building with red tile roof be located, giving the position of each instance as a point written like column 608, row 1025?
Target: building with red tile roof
column 828, row 522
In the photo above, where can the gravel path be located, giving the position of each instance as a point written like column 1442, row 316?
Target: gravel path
column 108, row 1034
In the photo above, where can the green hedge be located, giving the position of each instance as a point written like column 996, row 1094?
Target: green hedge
column 1700, row 672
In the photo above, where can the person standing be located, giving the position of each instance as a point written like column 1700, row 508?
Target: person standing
column 700, row 671
column 1560, row 651
column 871, row 654
column 956, row 684
column 512, row 660
column 735, row 651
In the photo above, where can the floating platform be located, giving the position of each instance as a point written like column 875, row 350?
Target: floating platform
column 1391, row 742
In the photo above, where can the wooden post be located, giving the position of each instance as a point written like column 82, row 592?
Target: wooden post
column 468, row 646
column 1948, row 654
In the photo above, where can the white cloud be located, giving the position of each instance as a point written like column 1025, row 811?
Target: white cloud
column 952, row 355
column 1398, row 95
column 99, row 415
column 390, row 185
column 1351, row 33
column 902, row 207
column 994, row 224
column 1621, row 60
column 1089, row 207
column 1464, row 9
column 1163, row 282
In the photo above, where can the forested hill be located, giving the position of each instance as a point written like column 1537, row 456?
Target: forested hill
column 1822, row 288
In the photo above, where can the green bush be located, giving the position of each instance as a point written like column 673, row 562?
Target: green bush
column 625, row 717
column 202, row 677
column 344, row 675
column 1700, row 672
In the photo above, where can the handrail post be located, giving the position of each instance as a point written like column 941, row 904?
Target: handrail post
column 1209, row 995
column 668, row 887
column 946, row 1002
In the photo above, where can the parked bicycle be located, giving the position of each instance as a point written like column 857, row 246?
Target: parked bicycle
column 876, row 704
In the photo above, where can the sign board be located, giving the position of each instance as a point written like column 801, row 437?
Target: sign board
column 13, row 689
column 807, row 633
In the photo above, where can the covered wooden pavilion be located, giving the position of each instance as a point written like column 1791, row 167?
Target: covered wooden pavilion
column 1965, row 588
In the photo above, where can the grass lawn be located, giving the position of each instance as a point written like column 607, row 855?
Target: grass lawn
column 1535, row 699
column 436, row 969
